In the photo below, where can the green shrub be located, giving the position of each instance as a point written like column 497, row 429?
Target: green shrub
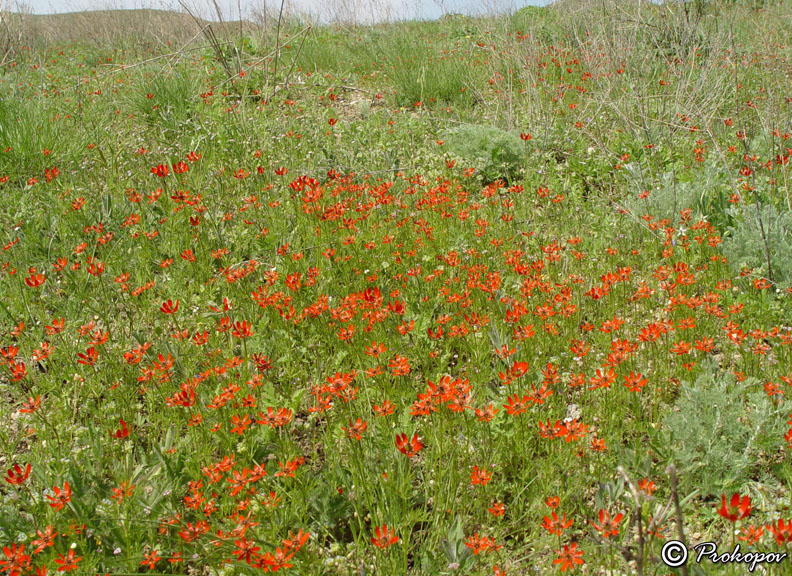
column 719, row 430
column 744, row 245
column 539, row 21
column 493, row 152
column 703, row 195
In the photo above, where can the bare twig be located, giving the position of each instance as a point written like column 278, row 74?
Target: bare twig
column 672, row 473
column 639, row 556
column 210, row 35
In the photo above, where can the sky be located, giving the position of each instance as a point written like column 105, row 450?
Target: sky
column 322, row 9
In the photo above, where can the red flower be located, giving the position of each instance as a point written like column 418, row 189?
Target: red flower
column 608, row 526
column 552, row 502
column 497, row 509
column 151, row 559
column 67, row 563
column 408, row 447
column 16, row 475
column 384, row 409
column 169, row 307
column 515, row 405
column 635, row 382
column 60, row 496
column 486, row 414
column 556, row 525
column 35, row 280
column 781, row 531
column 16, row 561
column 31, row 405
column 383, row 537
column 160, row 170
column 44, row 540
column 89, row 358
column 480, row 476
column 479, row 544
column 569, row 557
column 122, row 432
column 356, row 429
column 247, row 550
column 295, row 542
column 738, row 508
column 242, row 329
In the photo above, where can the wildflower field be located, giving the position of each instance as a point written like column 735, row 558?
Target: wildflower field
column 493, row 295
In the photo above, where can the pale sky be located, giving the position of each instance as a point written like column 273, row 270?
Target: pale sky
column 365, row 9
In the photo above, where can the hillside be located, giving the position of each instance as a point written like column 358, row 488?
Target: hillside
column 106, row 27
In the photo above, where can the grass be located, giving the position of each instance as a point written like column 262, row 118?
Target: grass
column 286, row 320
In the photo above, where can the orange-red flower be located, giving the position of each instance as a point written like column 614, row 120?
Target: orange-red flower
column 384, row 537
column 169, row 306
column 60, row 497
column 408, row 447
column 556, row 525
column 480, row 476
column 608, row 526
column 17, row 475
column 67, row 563
column 569, row 557
column 737, row 508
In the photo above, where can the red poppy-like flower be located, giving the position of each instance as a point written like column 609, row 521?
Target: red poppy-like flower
column 16, row 475
column 31, row 405
column 150, row 559
column 356, row 429
column 296, row 541
column 737, row 509
column 479, row 544
column 242, row 329
column 122, row 432
column 160, row 170
column 88, row 358
column 44, row 540
column 635, row 382
column 608, row 526
column 497, row 509
column 409, row 447
column 569, row 557
column 781, row 531
column 480, row 476
column 552, row 502
column 246, row 550
column 385, row 409
column 16, row 561
column 556, row 525
column 35, row 280
column 60, row 497
column 169, row 307
column 384, row 537
column 67, row 563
